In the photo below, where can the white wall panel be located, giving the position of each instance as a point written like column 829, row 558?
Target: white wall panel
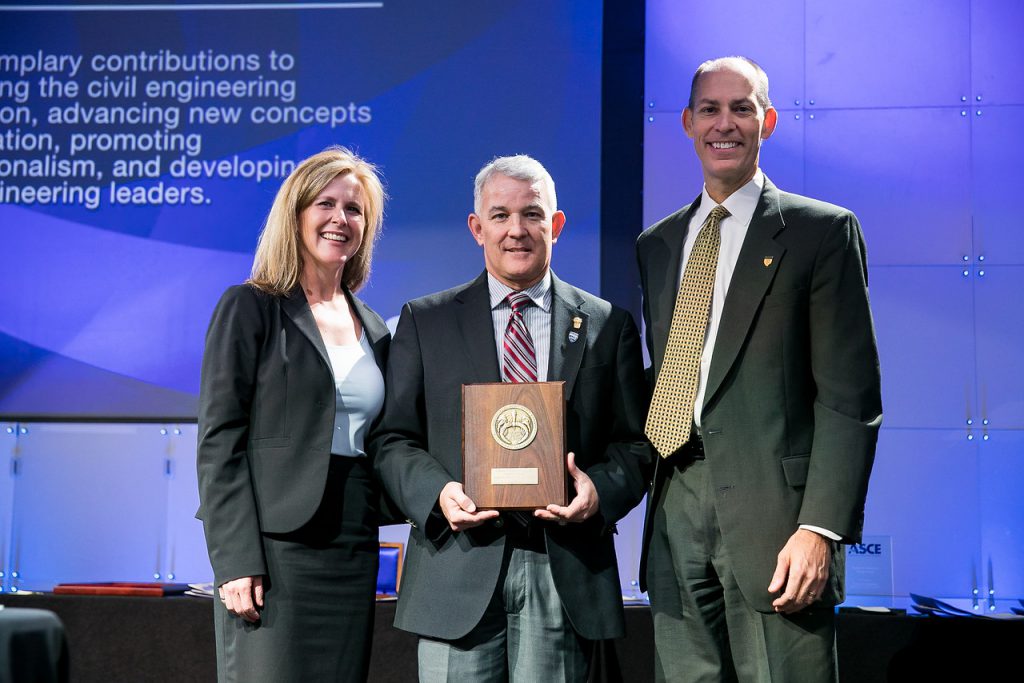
column 8, row 454
column 925, row 327
column 997, row 171
column 903, row 172
column 1001, row 481
column 672, row 175
column 782, row 155
column 185, row 559
column 628, row 546
column 999, row 320
column 682, row 35
column 997, row 60
column 90, row 504
column 878, row 53
column 924, row 494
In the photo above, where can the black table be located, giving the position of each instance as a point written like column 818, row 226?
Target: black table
column 138, row 640
column 170, row 640
column 873, row 648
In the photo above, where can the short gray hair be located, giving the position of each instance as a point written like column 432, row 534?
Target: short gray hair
column 720, row 63
column 520, row 167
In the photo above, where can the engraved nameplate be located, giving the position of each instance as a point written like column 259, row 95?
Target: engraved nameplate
column 515, row 475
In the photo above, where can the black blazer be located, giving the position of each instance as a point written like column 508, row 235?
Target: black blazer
column 793, row 402
column 266, row 421
column 446, row 340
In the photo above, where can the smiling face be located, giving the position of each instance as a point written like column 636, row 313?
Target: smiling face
column 331, row 228
column 516, row 227
column 727, row 126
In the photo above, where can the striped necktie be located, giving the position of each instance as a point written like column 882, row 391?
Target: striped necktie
column 519, row 363
column 670, row 419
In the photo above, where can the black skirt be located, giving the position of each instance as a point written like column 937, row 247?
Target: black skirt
column 317, row 620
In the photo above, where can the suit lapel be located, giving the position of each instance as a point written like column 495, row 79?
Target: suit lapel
column 376, row 333
column 297, row 308
column 567, row 340
column 473, row 313
column 663, row 269
column 755, row 268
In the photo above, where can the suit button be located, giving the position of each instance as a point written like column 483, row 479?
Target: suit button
column 499, row 522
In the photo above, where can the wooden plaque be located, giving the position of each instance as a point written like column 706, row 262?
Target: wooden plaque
column 513, row 445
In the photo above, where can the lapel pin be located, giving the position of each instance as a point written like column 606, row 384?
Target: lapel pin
column 577, row 322
column 573, row 336
column 767, row 261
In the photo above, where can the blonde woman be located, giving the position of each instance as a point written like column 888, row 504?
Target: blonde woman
column 292, row 380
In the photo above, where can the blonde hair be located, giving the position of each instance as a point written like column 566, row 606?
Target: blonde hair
column 278, row 261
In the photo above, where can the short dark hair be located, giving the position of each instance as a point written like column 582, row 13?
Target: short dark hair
column 760, row 78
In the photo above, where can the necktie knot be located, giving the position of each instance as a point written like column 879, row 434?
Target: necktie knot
column 518, row 301
column 716, row 215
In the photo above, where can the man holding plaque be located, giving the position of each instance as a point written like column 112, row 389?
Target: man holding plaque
column 766, row 405
column 499, row 596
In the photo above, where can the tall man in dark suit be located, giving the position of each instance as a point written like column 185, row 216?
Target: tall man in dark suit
column 766, row 405
column 512, row 596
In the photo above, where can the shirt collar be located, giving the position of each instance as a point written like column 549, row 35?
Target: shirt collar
column 741, row 203
column 540, row 293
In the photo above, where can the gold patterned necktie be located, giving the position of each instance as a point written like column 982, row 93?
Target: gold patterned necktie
column 670, row 418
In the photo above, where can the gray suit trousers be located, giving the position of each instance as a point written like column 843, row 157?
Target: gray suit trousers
column 704, row 628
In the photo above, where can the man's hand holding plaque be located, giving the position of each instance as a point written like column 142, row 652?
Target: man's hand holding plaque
column 582, row 507
column 460, row 510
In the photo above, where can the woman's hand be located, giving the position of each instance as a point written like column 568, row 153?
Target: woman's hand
column 243, row 597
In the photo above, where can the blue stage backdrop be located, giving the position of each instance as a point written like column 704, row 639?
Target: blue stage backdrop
column 140, row 151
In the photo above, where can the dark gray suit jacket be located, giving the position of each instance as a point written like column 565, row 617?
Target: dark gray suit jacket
column 266, row 421
column 792, row 406
column 446, row 340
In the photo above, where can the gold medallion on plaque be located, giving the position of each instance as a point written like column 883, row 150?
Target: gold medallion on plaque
column 514, row 426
